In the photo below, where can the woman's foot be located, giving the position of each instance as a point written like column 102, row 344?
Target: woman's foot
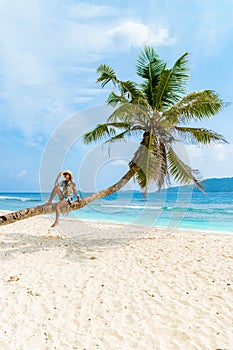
column 55, row 224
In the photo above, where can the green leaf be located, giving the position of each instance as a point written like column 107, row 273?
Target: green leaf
column 149, row 66
column 181, row 171
column 199, row 135
column 107, row 74
column 172, row 84
column 109, row 131
column 115, row 99
column 131, row 91
column 119, row 137
column 100, row 132
column 196, row 105
column 131, row 113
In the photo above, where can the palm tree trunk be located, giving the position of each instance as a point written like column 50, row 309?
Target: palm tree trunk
column 50, row 208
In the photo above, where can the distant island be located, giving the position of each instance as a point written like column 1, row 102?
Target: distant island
column 214, row 185
column 219, row 185
column 210, row 185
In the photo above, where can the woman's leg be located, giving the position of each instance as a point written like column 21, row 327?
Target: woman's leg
column 56, row 190
column 59, row 205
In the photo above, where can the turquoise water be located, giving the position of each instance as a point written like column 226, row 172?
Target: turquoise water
column 172, row 208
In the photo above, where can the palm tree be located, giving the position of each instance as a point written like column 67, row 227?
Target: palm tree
column 157, row 111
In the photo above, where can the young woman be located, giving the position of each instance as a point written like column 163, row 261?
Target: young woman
column 65, row 190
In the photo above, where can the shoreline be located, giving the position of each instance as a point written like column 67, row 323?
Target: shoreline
column 112, row 286
column 163, row 228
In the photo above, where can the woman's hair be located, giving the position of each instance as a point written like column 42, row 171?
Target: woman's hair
column 67, row 174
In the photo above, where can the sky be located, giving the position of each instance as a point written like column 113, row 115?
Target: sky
column 50, row 51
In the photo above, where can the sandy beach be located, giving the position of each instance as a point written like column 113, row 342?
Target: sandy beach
column 90, row 286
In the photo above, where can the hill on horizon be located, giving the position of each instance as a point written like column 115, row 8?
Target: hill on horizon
column 224, row 184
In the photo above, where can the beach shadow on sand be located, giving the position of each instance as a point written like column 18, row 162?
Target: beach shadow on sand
column 70, row 237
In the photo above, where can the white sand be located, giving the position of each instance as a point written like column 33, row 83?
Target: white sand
column 99, row 287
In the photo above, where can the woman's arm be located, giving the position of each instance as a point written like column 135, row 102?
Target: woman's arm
column 57, row 178
column 76, row 191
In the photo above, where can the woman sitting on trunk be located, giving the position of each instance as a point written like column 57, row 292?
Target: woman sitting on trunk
column 65, row 190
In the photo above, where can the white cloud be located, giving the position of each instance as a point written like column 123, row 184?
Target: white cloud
column 136, row 34
column 215, row 161
column 85, row 10
column 48, row 58
column 100, row 41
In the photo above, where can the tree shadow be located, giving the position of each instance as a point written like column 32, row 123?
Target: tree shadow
column 73, row 238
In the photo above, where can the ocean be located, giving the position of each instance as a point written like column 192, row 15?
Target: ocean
column 173, row 208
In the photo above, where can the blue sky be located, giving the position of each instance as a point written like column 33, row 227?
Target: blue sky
column 50, row 51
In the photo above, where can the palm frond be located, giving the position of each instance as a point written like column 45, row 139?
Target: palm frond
column 131, row 91
column 121, row 125
column 199, row 135
column 172, row 84
column 120, row 137
column 107, row 74
column 114, row 99
column 196, row 105
column 130, row 113
column 181, row 171
column 109, row 131
column 102, row 131
column 149, row 65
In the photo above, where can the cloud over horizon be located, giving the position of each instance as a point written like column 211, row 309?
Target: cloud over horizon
column 41, row 44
